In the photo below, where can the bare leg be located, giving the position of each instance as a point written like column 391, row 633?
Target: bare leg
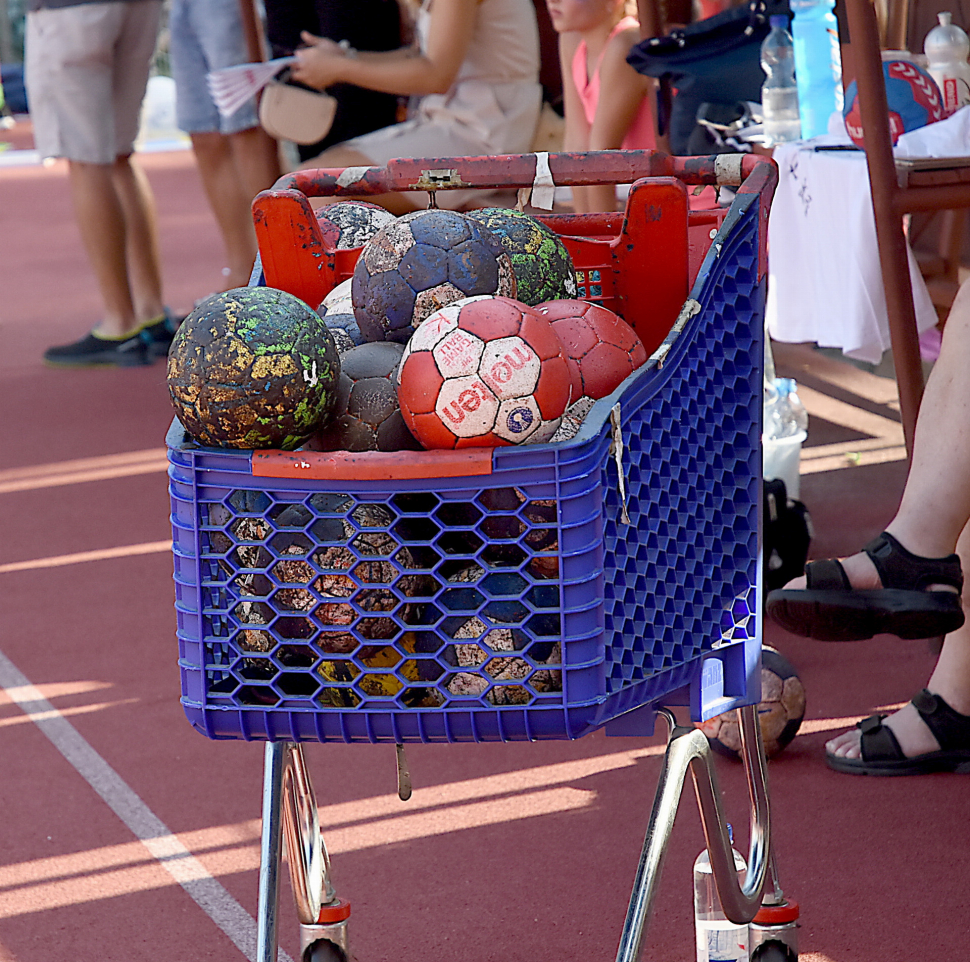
column 141, row 237
column 933, row 521
column 935, row 506
column 230, row 202
column 340, row 156
column 101, row 222
column 257, row 159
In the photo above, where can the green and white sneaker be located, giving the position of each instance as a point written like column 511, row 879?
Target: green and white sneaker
column 95, row 350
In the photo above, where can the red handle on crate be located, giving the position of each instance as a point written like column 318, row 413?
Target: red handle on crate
column 371, row 465
column 296, row 259
column 576, row 169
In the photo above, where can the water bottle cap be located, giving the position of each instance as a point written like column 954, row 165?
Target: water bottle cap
column 778, row 20
column 946, row 42
column 803, row 6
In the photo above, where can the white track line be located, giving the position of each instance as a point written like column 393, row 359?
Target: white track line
column 207, row 892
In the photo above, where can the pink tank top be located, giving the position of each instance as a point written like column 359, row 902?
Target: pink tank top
column 642, row 134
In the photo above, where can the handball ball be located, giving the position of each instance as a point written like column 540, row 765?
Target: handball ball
column 913, row 97
column 780, row 711
column 541, row 263
column 351, row 223
column 367, row 416
column 420, row 263
column 338, row 314
column 253, row 367
column 601, row 348
column 482, row 372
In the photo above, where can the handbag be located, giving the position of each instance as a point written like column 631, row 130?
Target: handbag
column 717, row 60
column 288, row 112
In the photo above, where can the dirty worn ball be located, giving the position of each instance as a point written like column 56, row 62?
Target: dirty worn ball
column 351, row 223
column 367, row 416
column 418, row 264
column 780, row 711
column 253, row 367
column 541, row 263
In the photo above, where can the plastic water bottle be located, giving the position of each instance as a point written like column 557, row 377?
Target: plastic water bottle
column 818, row 64
column 795, row 415
column 779, row 94
column 947, row 48
column 718, row 940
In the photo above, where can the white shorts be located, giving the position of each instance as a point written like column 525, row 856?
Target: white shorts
column 86, row 70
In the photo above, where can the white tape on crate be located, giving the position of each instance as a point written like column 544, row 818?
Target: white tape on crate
column 351, row 175
column 543, row 186
column 727, row 169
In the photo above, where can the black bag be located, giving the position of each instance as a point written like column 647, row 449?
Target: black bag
column 717, row 60
column 787, row 534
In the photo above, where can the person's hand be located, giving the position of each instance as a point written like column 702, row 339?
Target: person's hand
column 319, row 63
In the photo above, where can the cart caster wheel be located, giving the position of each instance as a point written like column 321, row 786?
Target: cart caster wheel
column 773, row 952
column 323, row 950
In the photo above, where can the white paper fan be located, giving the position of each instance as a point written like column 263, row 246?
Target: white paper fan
column 231, row 87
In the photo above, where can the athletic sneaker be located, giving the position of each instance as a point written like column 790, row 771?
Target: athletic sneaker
column 95, row 350
column 157, row 334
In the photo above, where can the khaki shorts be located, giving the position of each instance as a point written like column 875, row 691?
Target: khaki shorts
column 86, row 70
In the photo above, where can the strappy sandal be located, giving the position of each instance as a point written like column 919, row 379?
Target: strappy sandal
column 830, row 609
column 881, row 754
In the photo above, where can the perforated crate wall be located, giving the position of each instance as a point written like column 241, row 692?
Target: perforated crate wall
column 515, row 605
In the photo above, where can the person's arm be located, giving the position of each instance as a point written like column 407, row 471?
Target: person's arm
column 622, row 91
column 406, row 71
column 575, row 128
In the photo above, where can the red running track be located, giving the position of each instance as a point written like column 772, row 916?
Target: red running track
column 126, row 836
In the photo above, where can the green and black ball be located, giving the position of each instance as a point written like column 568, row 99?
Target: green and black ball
column 253, row 367
column 541, row 264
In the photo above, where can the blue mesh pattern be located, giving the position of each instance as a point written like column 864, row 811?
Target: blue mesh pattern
column 685, row 566
column 517, row 605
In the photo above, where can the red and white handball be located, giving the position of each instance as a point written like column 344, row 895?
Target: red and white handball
column 602, row 350
column 484, row 371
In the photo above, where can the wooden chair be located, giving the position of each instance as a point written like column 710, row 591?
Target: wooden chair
column 898, row 189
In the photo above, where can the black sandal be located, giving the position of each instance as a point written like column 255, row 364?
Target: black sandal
column 881, row 754
column 830, row 609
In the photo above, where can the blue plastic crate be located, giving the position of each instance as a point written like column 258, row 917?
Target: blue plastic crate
column 530, row 600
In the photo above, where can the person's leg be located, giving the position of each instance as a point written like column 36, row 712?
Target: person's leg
column 257, row 160
column 141, row 238
column 230, row 203
column 101, row 221
column 236, row 159
column 935, row 506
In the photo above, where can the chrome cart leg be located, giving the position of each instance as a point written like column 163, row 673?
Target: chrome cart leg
column 290, row 814
column 274, row 762
column 323, row 916
column 688, row 749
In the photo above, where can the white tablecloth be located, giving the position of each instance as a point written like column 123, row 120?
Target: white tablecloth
column 824, row 279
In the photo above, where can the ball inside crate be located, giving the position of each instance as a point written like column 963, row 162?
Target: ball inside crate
column 367, row 415
column 484, row 371
column 253, row 367
column 420, row 263
column 351, row 223
column 345, row 602
column 541, row 263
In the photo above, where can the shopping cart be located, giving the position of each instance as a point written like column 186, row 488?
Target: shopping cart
column 519, row 593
